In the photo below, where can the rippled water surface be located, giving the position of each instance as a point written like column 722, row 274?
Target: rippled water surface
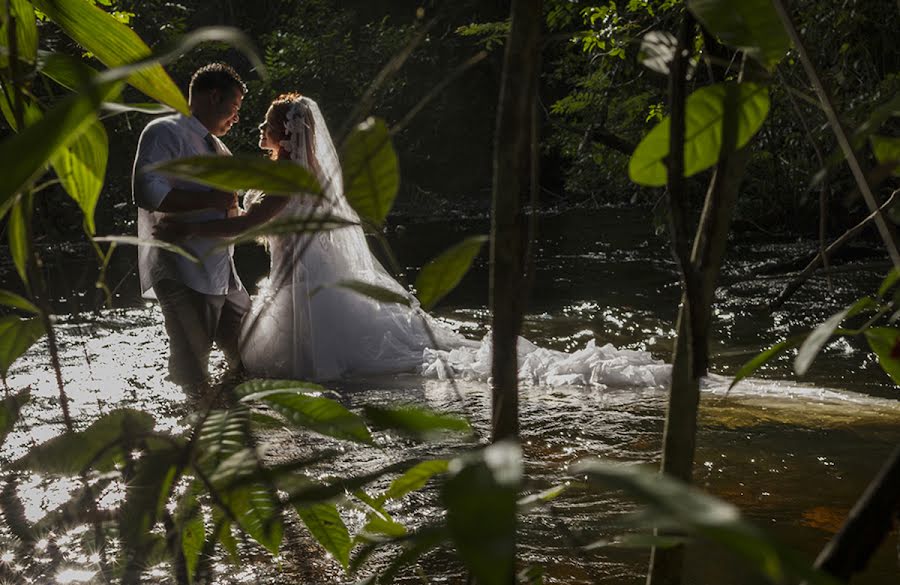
column 793, row 455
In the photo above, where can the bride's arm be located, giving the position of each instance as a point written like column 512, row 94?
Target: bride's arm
column 259, row 214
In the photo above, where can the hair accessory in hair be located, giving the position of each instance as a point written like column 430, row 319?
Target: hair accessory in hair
column 296, row 124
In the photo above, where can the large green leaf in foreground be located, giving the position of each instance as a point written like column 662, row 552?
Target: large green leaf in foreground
column 371, row 171
column 81, row 168
column 231, row 173
column 16, row 336
column 750, row 25
column 705, row 115
column 441, row 275
column 114, row 44
column 26, row 31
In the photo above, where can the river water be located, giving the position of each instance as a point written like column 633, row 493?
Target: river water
column 793, row 454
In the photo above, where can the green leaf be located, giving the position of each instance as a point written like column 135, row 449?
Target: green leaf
column 821, row 334
column 66, row 70
column 752, row 26
column 146, row 495
column 325, row 524
column 415, row 479
column 371, row 171
column 703, row 131
column 9, row 411
column 638, row 541
column 322, row 415
column 256, row 386
column 480, row 498
column 16, row 336
column 885, row 342
column 672, row 501
column 222, row 434
column 18, row 231
column 378, row 293
column 133, row 240
column 316, row 222
column 191, row 529
column 33, row 147
column 114, row 45
column 231, row 173
column 71, row 453
column 887, row 151
column 81, row 168
column 384, row 525
column 889, row 281
column 764, row 357
column 15, row 301
column 414, row 421
column 115, row 108
column 26, row 32
column 258, row 513
column 441, row 275
column 225, row 537
column 533, row 501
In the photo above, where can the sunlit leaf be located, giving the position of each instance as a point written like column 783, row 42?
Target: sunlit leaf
column 885, row 342
column 672, row 501
column 26, row 31
column 191, row 529
column 256, row 386
column 415, row 478
column 81, row 168
column 33, row 147
column 315, row 413
column 232, row 173
column 9, row 411
column 68, row 71
column 533, row 501
column 114, row 108
column 135, row 241
column 16, row 336
column 69, row 454
column 371, row 171
column 375, row 292
column 704, row 120
column 114, row 45
column 887, row 151
column 480, row 497
column 821, row 334
column 765, row 357
column 15, row 301
column 301, row 224
column 225, row 537
column 18, row 230
column 222, row 434
column 383, row 525
column 325, row 524
column 414, row 421
column 750, row 25
column 441, row 275
column 638, row 541
column 146, row 495
column 257, row 511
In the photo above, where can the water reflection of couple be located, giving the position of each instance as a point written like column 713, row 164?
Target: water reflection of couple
column 299, row 325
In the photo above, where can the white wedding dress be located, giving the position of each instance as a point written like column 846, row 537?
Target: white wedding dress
column 302, row 326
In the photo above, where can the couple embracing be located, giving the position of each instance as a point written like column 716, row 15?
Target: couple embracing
column 299, row 325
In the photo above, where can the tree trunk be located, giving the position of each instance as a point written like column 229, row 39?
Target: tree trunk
column 512, row 185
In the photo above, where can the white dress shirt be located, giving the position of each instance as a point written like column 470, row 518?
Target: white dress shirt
column 163, row 139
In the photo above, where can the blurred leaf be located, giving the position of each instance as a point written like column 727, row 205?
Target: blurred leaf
column 33, row 147
column 19, row 233
column 414, row 479
column 26, row 31
column 414, row 546
column 146, row 494
column 885, row 342
column 15, row 301
column 480, row 498
column 114, row 45
column 66, row 70
column 222, row 434
column 887, row 150
column 639, row 541
column 371, row 171
column 9, row 411
column 308, row 492
column 133, row 240
column 821, row 334
column 225, row 537
column 325, row 524
column 702, row 515
column 70, row 453
column 81, row 168
column 115, row 108
column 383, row 524
column 441, row 275
column 315, row 223
column 191, row 529
column 764, row 357
column 375, row 292
column 257, row 511
column 256, row 386
column 16, row 336
column 752, row 26
column 322, row 415
column 657, row 50
column 533, row 501
column 414, row 421
column 703, row 131
column 889, row 281
column 232, row 173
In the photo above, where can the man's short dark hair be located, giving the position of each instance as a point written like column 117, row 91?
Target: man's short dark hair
column 216, row 76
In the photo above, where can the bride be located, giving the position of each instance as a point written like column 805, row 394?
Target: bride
column 302, row 326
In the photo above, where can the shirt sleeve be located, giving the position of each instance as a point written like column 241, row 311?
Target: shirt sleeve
column 158, row 143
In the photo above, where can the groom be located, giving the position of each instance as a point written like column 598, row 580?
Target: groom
column 201, row 303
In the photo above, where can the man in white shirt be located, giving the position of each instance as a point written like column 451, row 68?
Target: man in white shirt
column 201, row 303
